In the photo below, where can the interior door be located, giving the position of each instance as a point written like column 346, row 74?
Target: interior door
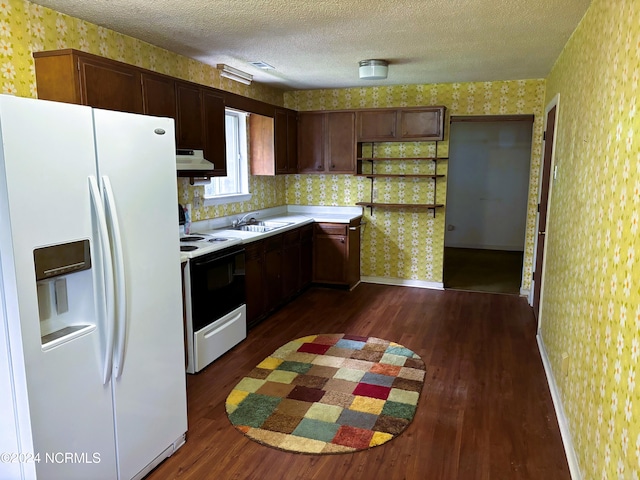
column 543, row 207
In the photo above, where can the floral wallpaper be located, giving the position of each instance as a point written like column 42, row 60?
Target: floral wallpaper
column 591, row 304
column 26, row 28
column 409, row 244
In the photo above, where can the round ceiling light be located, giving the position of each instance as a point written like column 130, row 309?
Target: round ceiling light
column 373, row 69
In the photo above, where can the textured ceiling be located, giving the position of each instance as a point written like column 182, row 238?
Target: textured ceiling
column 318, row 43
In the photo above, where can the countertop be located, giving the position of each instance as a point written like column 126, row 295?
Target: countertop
column 295, row 215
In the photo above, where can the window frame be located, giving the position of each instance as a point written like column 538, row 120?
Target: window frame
column 241, row 147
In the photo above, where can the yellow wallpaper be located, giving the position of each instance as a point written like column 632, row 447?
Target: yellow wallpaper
column 591, row 305
column 266, row 192
column 410, row 244
column 26, row 28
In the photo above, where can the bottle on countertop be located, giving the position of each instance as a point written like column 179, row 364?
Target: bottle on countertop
column 187, row 219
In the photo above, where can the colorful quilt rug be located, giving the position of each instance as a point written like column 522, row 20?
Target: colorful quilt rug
column 329, row 394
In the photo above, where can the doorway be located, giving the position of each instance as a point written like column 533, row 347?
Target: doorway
column 487, row 196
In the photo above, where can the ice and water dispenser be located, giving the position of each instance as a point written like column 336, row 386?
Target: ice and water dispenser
column 65, row 291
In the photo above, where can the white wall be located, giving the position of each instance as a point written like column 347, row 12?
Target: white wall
column 487, row 185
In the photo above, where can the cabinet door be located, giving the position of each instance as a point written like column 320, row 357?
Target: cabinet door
column 292, row 142
column 273, row 271
column 423, row 124
column 329, row 257
column 341, row 142
column 109, row 86
column 281, row 141
column 330, row 253
column 254, row 284
column 215, row 145
column 261, row 145
column 311, row 142
column 158, row 96
column 377, row 126
column 286, row 141
column 290, row 263
column 306, row 256
column 189, row 117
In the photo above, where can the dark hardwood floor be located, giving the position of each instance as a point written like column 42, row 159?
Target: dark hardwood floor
column 485, row 411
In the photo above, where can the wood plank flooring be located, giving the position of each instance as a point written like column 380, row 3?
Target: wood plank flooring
column 485, row 411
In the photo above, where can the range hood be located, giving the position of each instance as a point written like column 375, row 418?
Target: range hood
column 192, row 160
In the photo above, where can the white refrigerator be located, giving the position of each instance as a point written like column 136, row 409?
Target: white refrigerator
column 92, row 369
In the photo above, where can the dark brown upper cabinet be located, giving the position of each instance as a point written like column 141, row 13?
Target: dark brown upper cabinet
column 286, row 141
column 215, row 145
column 158, row 95
column 326, row 142
column 378, row 125
column 401, row 124
column 77, row 77
column 74, row 77
column 273, row 143
column 200, row 125
column 189, row 120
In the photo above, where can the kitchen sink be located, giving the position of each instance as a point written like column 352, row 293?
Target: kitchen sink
column 260, row 227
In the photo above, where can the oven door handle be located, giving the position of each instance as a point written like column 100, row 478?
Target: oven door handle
column 201, row 263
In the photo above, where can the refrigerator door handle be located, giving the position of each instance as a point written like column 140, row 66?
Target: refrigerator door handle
column 103, row 234
column 121, row 299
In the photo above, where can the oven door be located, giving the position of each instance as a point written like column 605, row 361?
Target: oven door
column 217, row 285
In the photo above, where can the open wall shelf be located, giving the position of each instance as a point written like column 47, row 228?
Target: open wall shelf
column 373, row 175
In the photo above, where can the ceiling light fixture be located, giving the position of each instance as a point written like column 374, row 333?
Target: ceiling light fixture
column 234, row 74
column 373, row 69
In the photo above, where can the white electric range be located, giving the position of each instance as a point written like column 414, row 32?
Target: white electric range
column 195, row 244
column 216, row 314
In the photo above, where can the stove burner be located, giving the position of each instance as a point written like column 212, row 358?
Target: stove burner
column 191, row 239
column 218, row 239
column 188, row 248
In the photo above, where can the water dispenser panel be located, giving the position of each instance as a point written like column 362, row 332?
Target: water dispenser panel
column 62, row 259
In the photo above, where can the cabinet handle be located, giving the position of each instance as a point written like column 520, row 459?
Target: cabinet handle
column 342, row 240
column 319, row 167
column 333, row 167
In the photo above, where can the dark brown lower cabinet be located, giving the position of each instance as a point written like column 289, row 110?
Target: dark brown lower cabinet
column 253, row 281
column 291, row 263
column 276, row 269
column 273, row 271
column 336, row 253
column 306, row 256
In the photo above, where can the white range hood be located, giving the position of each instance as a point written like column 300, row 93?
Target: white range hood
column 192, row 160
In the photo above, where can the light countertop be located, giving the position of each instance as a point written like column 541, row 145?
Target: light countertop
column 295, row 215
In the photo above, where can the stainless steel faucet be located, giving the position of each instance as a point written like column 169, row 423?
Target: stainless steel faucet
column 236, row 222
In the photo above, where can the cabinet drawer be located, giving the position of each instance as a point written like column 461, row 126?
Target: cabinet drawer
column 331, row 228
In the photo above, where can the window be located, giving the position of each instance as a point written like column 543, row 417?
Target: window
column 235, row 186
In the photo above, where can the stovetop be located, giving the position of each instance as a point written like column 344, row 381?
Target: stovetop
column 196, row 244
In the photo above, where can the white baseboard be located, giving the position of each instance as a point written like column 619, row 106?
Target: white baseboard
column 404, row 282
column 524, row 292
column 567, row 439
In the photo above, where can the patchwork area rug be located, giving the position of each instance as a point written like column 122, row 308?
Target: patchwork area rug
column 329, row 394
